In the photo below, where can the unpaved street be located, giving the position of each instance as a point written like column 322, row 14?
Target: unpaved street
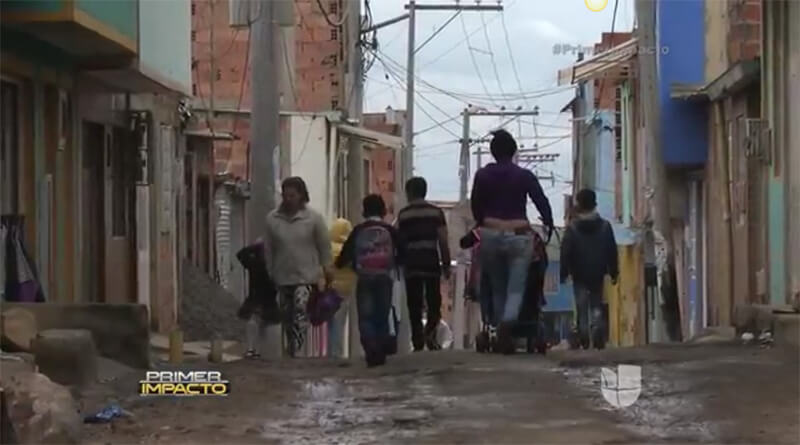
column 721, row 393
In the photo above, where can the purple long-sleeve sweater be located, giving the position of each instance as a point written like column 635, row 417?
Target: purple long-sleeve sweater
column 501, row 190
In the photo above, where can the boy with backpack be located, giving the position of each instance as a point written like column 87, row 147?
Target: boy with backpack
column 373, row 251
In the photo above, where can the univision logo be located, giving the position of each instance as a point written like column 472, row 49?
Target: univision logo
column 622, row 388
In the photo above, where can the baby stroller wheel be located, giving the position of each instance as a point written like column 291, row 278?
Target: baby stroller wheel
column 482, row 342
column 530, row 345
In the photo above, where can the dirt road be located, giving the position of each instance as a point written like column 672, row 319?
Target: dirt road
column 701, row 393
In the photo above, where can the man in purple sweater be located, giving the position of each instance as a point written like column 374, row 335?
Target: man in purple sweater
column 499, row 205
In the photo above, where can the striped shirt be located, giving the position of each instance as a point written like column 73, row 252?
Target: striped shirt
column 418, row 225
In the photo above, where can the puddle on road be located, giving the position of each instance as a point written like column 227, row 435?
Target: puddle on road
column 357, row 412
column 668, row 408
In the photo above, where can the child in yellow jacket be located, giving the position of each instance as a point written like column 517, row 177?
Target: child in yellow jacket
column 344, row 283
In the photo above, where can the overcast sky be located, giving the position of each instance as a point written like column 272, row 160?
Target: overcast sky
column 446, row 63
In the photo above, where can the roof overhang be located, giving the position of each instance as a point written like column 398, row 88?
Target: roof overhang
column 208, row 134
column 372, row 136
column 598, row 64
column 735, row 79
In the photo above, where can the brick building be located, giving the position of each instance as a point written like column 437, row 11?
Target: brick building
column 380, row 177
column 313, row 58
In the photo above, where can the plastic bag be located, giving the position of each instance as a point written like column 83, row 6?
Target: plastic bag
column 322, row 306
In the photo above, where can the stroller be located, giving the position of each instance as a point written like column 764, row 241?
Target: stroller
column 529, row 325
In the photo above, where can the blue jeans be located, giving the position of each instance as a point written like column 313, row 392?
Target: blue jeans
column 374, row 300
column 589, row 319
column 506, row 257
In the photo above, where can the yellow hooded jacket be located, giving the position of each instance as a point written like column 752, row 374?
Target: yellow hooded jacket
column 344, row 280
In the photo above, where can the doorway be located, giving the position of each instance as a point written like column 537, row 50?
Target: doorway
column 93, row 211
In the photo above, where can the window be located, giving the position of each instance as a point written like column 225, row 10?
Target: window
column 116, row 149
column 194, row 63
column 219, row 74
column 194, row 36
column 194, row 89
column 194, row 8
column 334, row 34
column 333, row 9
column 390, row 164
column 334, row 104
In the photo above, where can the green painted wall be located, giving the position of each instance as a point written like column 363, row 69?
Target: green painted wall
column 777, row 241
column 122, row 15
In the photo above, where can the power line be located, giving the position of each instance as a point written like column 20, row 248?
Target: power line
column 327, row 17
column 440, row 29
column 491, row 55
column 472, row 99
column 511, row 54
column 472, row 57
column 436, row 122
column 461, row 42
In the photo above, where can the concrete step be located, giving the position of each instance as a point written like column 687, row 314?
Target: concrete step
column 160, row 343
column 787, row 329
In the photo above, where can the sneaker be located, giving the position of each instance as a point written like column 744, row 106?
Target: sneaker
column 251, row 354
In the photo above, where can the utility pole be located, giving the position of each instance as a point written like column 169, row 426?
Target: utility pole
column 408, row 150
column 463, row 170
column 212, row 62
column 413, row 7
column 264, row 135
column 464, row 158
column 660, row 229
column 265, row 112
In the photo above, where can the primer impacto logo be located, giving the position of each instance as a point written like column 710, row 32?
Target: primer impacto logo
column 184, row 383
column 622, row 388
column 596, row 5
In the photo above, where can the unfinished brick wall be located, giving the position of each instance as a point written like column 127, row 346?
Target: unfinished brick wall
column 318, row 56
column 318, row 71
column 744, row 32
column 231, row 81
column 382, row 163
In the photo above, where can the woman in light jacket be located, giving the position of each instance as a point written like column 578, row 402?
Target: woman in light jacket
column 298, row 252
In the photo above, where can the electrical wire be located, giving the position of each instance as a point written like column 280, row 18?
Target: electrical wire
column 461, row 42
column 325, row 14
column 399, row 80
column 511, row 54
column 472, row 57
column 491, row 54
column 472, row 99
column 246, row 65
column 437, row 31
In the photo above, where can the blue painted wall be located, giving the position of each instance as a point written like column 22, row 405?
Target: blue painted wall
column 559, row 296
column 681, row 45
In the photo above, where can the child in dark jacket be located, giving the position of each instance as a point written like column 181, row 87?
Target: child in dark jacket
column 261, row 306
column 373, row 251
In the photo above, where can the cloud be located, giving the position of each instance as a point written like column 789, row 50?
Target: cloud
column 549, row 31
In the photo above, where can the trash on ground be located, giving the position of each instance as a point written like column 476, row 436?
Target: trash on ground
column 105, row 415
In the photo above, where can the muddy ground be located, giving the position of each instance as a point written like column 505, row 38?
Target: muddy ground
column 708, row 393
